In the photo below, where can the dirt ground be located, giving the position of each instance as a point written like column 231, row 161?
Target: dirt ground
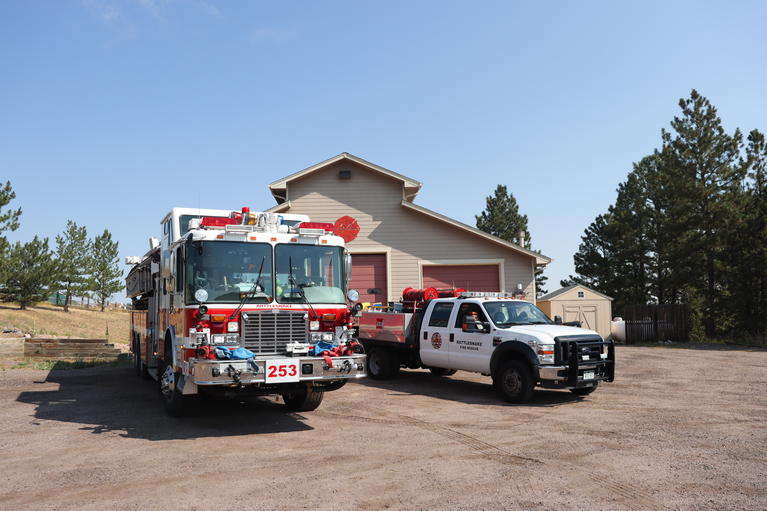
column 679, row 429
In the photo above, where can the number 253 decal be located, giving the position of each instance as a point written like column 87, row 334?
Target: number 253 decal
column 281, row 371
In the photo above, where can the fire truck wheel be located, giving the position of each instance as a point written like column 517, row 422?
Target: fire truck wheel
column 176, row 404
column 440, row 371
column 514, row 382
column 303, row 401
column 381, row 364
column 585, row 391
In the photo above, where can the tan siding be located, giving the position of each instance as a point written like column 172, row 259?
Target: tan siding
column 385, row 226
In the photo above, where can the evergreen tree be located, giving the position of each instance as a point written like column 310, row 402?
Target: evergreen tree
column 747, row 243
column 29, row 272
column 106, row 276
column 703, row 162
column 9, row 221
column 502, row 219
column 72, row 254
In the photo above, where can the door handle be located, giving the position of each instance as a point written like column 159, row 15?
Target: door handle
column 425, row 335
column 452, row 337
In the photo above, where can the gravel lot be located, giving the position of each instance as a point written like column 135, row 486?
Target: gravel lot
column 679, row 429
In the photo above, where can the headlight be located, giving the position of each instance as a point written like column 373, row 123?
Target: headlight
column 314, row 325
column 225, row 339
column 544, row 351
column 232, row 326
column 200, row 338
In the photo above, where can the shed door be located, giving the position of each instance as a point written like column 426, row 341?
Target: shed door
column 480, row 277
column 369, row 277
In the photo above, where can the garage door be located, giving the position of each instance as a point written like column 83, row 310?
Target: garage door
column 481, row 277
column 369, row 277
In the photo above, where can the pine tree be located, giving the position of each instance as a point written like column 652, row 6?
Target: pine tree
column 747, row 243
column 703, row 161
column 502, row 219
column 9, row 221
column 106, row 276
column 72, row 254
column 29, row 272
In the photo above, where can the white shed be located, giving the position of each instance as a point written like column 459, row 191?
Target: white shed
column 579, row 303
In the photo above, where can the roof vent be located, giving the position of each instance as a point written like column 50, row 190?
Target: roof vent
column 344, row 174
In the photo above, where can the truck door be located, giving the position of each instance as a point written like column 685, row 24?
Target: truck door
column 434, row 335
column 471, row 339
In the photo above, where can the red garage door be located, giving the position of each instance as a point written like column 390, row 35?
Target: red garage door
column 369, row 277
column 481, row 277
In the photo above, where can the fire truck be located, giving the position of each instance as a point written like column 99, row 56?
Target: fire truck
column 243, row 301
column 495, row 334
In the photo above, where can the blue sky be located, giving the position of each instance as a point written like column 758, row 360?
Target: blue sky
column 113, row 111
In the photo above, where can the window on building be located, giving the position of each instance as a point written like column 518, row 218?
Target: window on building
column 580, row 294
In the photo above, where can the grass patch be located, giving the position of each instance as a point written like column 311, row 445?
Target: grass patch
column 47, row 319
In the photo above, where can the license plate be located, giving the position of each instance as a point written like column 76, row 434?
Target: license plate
column 588, row 375
column 282, row 370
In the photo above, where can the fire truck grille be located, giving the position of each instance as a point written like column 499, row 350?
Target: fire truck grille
column 267, row 333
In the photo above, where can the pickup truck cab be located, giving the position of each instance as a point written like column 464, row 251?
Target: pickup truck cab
column 508, row 339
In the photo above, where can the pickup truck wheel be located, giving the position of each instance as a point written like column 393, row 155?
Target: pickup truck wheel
column 303, row 401
column 176, row 404
column 440, row 372
column 585, row 391
column 381, row 365
column 514, row 381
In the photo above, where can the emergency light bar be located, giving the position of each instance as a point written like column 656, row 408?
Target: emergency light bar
column 314, row 228
column 484, row 294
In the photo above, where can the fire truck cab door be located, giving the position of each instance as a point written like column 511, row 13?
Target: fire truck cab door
column 472, row 345
column 435, row 335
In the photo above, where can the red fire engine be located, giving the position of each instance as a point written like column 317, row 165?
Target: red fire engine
column 255, row 302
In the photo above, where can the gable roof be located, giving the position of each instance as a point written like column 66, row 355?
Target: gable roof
column 540, row 259
column 563, row 290
column 280, row 185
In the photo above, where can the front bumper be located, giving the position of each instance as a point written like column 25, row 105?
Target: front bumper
column 582, row 362
column 253, row 372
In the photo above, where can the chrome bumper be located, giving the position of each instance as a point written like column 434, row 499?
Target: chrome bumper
column 566, row 376
column 249, row 372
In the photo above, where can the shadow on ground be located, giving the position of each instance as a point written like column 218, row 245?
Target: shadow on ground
column 108, row 399
column 455, row 388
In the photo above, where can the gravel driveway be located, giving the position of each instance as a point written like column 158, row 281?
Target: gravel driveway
column 679, row 429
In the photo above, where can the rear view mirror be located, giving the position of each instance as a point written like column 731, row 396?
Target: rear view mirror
column 558, row 320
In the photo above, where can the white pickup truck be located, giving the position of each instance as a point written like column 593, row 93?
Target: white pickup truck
column 511, row 340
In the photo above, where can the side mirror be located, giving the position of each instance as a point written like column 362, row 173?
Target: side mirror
column 558, row 320
column 348, row 266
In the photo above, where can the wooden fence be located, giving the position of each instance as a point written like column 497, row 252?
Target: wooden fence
column 653, row 323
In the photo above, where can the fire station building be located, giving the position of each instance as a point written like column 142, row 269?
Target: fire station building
column 398, row 243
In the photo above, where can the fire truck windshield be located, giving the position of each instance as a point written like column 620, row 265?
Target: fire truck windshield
column 317, row 274
column 508, row 313
column 228, row 270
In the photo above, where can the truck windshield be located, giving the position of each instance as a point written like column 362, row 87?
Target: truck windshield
column 226, row 270
column 316, row 275
column 508, row 313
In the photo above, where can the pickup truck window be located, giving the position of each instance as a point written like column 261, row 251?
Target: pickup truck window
column 509, row 313
column 469, row 309
column 440, row 315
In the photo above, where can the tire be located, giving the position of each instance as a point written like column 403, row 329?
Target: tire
column 514, row 381
column 381, row 364
column 303, row 401
column 176, row 404
column 440, row 372
column 585, row 391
